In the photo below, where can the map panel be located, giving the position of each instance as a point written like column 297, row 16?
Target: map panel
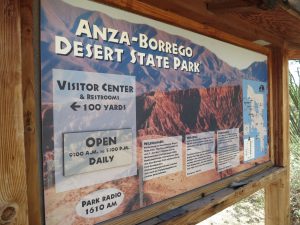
column 255, row 118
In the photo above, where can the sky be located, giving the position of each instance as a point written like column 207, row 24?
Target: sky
column 294, row 67
column 235, row 56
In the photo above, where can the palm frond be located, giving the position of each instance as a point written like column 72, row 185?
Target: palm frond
column 294, row 92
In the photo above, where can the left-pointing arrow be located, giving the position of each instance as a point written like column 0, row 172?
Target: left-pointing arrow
column 74, row 106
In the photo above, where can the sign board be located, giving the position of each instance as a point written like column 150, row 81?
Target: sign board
column 98, row 150
column 135, row 111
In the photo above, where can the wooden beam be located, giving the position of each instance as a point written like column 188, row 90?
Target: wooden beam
column 294, row 54
column 289, row 10
column 29, row 108
column 214, row 203
column 13, row 188
column 229, row 22
column 220, row 7
column 180, row 200
column 277, row 22
column 193, row 15
column 293, row 51
column 277, row 204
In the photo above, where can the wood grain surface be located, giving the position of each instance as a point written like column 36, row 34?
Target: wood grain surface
column 180, row 200
column 226, row 197
column 12, row 155
column 30, row 105
column 277, row 194
column 183, row 14
column 240, row 18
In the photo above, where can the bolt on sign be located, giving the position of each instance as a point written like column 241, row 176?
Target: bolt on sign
column 135, row 111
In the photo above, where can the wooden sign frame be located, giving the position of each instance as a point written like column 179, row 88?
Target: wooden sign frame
column 26, row 190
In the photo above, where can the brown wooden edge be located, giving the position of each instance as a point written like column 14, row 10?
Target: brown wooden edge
column 294, row 54
column 289, row 9
column 231, row 6
column 277, row 197
column 161, row 15
column 226, row 197
column 13, row 197
column 293, row 51
column 30, row 110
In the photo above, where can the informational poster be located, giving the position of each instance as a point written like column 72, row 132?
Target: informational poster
column 162, row 157
column 135, row 111
column 228, row 149
column 200, row 152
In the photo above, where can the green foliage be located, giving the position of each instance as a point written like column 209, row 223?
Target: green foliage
column 294, row 92
column 295, row 182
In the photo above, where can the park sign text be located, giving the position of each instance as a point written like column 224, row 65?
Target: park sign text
column 63, row 46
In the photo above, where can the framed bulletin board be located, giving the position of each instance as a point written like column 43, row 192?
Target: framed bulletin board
column 136, row 112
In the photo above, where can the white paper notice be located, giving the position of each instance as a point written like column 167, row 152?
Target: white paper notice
column 162, row 156
column 200, row 152
column 228, row 149
column 249, row 149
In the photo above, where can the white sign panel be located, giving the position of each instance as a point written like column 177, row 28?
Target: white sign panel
column 86, row 101
column 98, row 150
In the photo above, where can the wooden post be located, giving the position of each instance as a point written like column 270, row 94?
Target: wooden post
column 277, row 204
column 30, row 114
column 13, row 189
